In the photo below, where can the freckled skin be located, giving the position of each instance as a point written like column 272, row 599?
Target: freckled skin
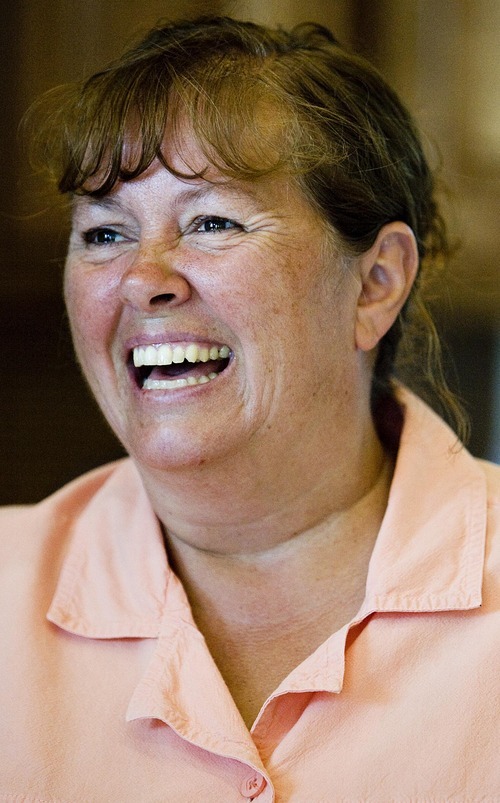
column 259, row 288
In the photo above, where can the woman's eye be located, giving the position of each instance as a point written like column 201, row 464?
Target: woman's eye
column 102, row 236
column 214, row 225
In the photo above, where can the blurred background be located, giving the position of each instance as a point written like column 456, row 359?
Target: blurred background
column 443, row 59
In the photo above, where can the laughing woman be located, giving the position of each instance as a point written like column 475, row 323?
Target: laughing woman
column 290, row 590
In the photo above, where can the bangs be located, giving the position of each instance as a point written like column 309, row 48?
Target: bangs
column 120, row 121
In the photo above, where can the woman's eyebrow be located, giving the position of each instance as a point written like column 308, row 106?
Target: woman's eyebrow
column 105, row 201
column 213, row 189
column 206, row 191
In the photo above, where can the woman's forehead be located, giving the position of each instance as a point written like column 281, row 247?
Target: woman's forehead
column 275, row 191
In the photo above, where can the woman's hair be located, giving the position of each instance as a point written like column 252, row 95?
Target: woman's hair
column 259, row 101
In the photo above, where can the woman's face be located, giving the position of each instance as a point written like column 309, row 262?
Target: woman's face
column 236, row 290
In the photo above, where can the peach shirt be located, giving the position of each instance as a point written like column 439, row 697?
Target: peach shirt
column 113, row 695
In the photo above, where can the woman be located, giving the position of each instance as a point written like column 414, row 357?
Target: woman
column 278, row 596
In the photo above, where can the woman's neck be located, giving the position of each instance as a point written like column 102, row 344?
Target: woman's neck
column 339, row 545
column 255, row 501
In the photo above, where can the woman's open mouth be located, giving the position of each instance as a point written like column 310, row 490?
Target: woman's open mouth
column 169, row 366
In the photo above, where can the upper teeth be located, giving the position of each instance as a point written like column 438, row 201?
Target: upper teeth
column 167, row 354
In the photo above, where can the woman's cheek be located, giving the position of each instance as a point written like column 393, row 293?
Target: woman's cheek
column 91, row 313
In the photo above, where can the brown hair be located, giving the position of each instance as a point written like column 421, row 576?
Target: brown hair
column 329, row 119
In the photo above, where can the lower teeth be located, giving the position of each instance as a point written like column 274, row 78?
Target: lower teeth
column 172, row 384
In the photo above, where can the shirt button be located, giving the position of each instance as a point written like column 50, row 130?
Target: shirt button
column 253, row 785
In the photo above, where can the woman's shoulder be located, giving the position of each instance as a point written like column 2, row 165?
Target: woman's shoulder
column 24, row 526
column 35, row 540
column 492, row 474
column 61, row 534
column 491, row 577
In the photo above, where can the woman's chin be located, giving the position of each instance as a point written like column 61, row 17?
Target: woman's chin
column 176, row 449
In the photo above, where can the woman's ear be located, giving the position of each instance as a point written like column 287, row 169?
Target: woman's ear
column 387, row 271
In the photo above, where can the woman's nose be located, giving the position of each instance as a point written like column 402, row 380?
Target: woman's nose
column 153, row 281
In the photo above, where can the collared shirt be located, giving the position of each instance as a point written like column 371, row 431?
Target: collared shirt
column 108, row 692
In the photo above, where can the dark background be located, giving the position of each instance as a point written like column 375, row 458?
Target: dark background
column 441, row 57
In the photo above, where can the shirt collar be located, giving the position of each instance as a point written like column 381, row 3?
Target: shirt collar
column 429, row 552
column 113, row 583
column 428, row 555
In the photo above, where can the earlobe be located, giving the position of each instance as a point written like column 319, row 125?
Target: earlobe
column 387, row 273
